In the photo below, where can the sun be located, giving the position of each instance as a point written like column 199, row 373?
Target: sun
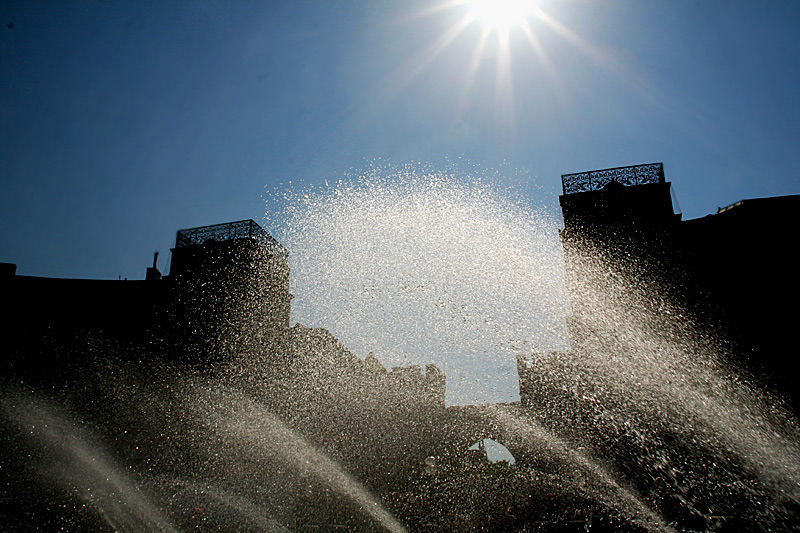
column 505, row 26
column 500, row 15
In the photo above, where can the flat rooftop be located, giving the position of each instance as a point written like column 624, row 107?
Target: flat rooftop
column 229, row 231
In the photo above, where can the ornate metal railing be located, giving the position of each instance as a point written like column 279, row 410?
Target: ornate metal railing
column 242, row 229
column 594, row 180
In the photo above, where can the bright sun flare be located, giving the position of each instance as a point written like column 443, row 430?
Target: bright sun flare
column 499, row 15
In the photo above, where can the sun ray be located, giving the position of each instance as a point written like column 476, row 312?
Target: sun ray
column 474, row 64
column 396, row 81
column 437, row 8
column 438, row 46
column 513, row 16
column 606, row 61
column 504, row 91
column 561, row 94
column 374, row 102
column 600, row 57
column 684, row 117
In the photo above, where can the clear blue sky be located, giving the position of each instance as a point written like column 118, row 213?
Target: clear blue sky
column 121, row 122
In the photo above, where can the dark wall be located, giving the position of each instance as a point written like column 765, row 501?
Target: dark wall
column 743, row 258
column 221, row 298
column 227, row 297
column 45, row 323
column 733, row 272
column 122, row 307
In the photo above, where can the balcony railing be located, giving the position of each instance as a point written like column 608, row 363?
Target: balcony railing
column 595, row 180
column 242, row 229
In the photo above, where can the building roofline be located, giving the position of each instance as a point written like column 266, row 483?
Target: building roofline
column 594, row 180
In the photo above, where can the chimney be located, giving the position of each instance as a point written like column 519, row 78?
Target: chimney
column 152, row 272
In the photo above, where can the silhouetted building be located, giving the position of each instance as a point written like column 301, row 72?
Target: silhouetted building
column 612, row 205
column 619, row 231
column 294, row 411
column 730, row 272
column 221, row 315
column 742, row 259
column 229, row 291
column 226, row 298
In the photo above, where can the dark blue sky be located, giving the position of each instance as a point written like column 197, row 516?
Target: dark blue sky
column 121, row 122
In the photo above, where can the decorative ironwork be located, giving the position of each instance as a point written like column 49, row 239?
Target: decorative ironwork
column 242, row 229
column 595, row 180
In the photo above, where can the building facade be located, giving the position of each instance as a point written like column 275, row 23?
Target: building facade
column 727, row 276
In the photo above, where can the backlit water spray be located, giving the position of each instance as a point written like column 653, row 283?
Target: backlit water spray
column 422, row 266
column 64, row 456
column 633, row 418
column 198, row 454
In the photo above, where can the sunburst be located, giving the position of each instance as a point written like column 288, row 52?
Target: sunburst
column 502, row 23
column 500, row 15
column 498, row 19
